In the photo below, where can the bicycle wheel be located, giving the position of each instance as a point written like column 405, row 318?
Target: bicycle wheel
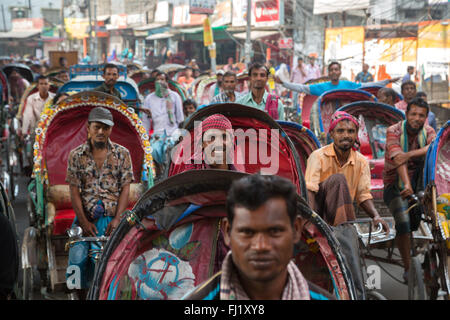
column 374, row 295
column 416, row 286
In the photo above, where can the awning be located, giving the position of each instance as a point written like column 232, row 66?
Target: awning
column 19, row 34
column 255, row 34
column 157, row 36
column 150, row 26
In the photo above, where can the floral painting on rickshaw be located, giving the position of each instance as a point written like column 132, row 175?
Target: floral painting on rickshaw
column 164, row 271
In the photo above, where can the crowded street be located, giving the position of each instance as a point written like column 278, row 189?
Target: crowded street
column 225, row 150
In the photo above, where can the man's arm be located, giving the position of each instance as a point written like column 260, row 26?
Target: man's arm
column 382, row 83
column 295, row 86
column 403, row 174
column 122, row 204
column 88, row 228
column 179, row 109
column 280, row 110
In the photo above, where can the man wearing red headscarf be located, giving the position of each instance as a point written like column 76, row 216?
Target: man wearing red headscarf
column 338, row 169
column 216, row 138
column 336, row 175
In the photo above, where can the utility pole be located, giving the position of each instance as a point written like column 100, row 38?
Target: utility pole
column 4, row 21
column 95, row 53
column 62, row 31
column 248, row 43
column 91, row 43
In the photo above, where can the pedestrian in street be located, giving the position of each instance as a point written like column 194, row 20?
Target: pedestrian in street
column 299, row 75
column 229, row 93
column 408, row 75
column 312, row 69
column 364, row 75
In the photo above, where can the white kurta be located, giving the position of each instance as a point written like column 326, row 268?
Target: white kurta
column 157, row 107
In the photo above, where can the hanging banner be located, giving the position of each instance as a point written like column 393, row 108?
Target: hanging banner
column 207, row 33
column 202, row 6
column 267, row 13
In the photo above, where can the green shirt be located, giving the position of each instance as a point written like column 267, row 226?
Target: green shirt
column 105, row 89
column 247, row 100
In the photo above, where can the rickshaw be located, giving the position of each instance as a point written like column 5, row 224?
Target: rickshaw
column 304, row 140
column 201, row 89
column 306, row 102
column 437, row 209
column 428, row 276
column 147, row 86
column 7, row 211
column 133, row 67
column 94, row 70
column 374, row 119
column 61, row 129
column 138, row 75
column 23, row 69
column 375, row 88
column 172, row 240
column 328, row 103
column 171, row 68
column 246, row 120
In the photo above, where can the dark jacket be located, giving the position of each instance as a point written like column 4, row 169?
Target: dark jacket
column 105, row 89
column 210, row 290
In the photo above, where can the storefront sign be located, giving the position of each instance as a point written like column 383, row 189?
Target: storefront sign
column 27, row 24
column 202, row 6
column 77, row 28
column 182, row 17
column 286, row 43
column 267, row 12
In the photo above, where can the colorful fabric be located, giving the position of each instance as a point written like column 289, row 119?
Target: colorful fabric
column 401, row 105
column 312, row 72
column 223, row 97
column 364, row 77
column 231, row 289
column 338, row 208
column 216, row 121
column 394, row 147
column 338, row 116
column 104, row 184
column 323, row 163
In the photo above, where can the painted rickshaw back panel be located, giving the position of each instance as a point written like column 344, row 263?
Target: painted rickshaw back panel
column 374, row 119
column 63, row 127
column 248, row 152
column 172, row 241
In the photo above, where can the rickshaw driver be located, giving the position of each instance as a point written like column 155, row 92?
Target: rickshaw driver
column 407, row 143
column 339, row 170
column 110, row 74
column 261, row 229
column 99, row 173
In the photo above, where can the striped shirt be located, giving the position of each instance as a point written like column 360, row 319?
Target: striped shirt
column 393, row 148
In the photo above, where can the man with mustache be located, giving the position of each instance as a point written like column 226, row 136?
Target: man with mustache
column 406, row 146
column 99, row 173
column 258, row 97
column 261, row 230
column 229, row 93
column 336, row 175
column 110, row 74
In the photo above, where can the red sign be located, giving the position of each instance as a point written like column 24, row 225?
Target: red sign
column 267, row 12
column 286, row 43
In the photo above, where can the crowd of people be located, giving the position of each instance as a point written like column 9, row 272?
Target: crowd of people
column 261, row 227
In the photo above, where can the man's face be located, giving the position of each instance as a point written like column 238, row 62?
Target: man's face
column 162, row 79
column 188, row 73
column 99, row 134
column 409, row 92
column 230, row 60
column 258, row 78
column 416, row 117
column 344, row 135
column 262, row 240
column 217, row 144
column 384, row 98
column 43, row 86
column 312, row 60
column 365, row 67
column 300, row 62
column 229, row 83
column 219, row 79
column 111, row 75
column 411, row 70
column 64, row 76
column 334, row 73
